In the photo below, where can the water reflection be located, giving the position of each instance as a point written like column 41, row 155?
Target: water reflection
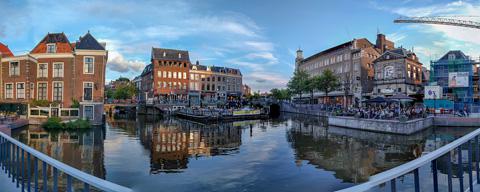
column 285, row 154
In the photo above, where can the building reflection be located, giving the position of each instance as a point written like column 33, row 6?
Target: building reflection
column 354, row 155
column 82, row 149
column 174, row 142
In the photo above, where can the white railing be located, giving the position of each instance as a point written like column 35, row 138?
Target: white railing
column 414, row 165
column 16, row 159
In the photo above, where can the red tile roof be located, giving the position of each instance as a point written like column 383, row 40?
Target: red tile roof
column 5, row 51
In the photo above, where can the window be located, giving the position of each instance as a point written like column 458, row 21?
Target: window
column 57, row 91
column 159, row 74
column 32, row 90
column 9, row 91
column 14, row 68
column 174, row 75
column 51, row 48
column 87, row 91
column 169, row 74
column 57, row 69
column 20, row 90
column 179, row 75
column 88, row 65
column 184, row 75
column 42, row 70
column 399, row 90
column 192, row 76
column 42, row 91
column 88, row 112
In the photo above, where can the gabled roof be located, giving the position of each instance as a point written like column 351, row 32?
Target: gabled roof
column 170, row 54
column 5, row 51
column 397, row 53
column 88, row 42
column 458, row 55
column 60, row 39
column 147, row 70
column 216, row 69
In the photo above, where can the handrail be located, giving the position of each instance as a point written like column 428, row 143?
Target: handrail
column 96, row 182
column 403, row 169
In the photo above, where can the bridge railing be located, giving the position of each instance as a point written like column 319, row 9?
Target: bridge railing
column 445, row 155
column 26, row 166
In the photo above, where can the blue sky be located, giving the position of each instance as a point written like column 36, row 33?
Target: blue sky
column 258, row 36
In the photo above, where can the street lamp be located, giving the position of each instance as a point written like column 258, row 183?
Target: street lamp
column 434, row 103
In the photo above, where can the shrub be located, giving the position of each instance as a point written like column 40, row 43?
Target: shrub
column 40, row 103
column 56, row 123
column 75, row 103
column 53, row 123
column 77, row 124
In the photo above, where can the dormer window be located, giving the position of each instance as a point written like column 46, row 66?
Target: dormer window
column 51, row 48
column 451, row 56
column 387, row 56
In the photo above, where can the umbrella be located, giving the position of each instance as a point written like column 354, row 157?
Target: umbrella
column 376, row 100
column 401, row 97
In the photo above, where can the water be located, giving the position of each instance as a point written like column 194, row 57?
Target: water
column 291, row 153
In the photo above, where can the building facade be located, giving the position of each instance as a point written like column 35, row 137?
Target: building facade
column 210, row 84
column 352, row 62
column 170, row 70
column 59, row 72
column 247, row 91
column 398, row 71
column 457, row 75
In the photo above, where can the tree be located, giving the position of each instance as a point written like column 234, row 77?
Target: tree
column 327, row 82
column 310, row 86
column 299, row 82
column 126, row 91
column 280, row 94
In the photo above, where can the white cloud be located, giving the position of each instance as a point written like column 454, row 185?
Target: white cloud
column 116, row 62
column 260, row 46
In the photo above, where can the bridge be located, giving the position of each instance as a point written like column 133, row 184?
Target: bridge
column 31, row 170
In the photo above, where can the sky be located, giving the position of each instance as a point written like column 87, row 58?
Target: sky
column 259, row 37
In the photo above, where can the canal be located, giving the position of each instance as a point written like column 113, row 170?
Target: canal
column 289, row 153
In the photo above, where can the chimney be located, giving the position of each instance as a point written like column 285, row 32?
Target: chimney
column 381, row 42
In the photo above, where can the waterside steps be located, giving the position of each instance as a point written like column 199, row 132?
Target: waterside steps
column 453, row 167
column 31, row 170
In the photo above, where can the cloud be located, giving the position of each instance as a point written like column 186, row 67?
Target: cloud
column 396, row 37
column 260, row 46
column 116, row 62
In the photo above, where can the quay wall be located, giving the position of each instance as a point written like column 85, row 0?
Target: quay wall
column 457, row 121
column 385, row 126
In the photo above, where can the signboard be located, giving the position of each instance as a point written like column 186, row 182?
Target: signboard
column 246, row 112
column 458, row 79
column 387, row 91
column 433, row 92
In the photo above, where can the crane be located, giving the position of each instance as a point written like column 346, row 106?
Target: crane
column 440, row 20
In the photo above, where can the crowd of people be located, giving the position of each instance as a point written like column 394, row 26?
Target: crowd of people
column 390, row 111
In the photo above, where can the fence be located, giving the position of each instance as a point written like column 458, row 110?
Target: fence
column 443, row 155
column 30, row 170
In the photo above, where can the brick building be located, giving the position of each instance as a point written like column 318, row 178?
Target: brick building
column 211, row 84
column 172, row 78
column 352, row 62
column 398, row 71
column 169, row 72
column 60, row 72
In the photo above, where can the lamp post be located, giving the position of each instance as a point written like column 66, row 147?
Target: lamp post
column 434, row 104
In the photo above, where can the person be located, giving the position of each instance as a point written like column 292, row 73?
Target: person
column 453, row 81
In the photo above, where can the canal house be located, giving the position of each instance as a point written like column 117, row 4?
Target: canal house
column 57, row 78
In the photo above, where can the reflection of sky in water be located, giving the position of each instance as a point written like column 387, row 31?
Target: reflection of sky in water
column 289, row 154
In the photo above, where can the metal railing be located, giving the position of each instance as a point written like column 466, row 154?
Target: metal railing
column 21, row 163
column 391, row 175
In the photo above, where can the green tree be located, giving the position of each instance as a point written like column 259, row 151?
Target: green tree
column 280, row 94
column 298, row 84
column 327, row 82
column 126, row 91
